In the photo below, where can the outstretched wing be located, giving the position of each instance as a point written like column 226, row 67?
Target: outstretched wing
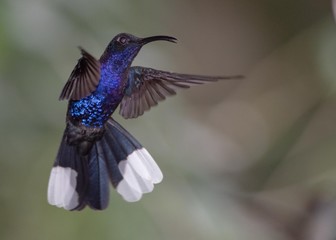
column 84, row 78
column 147, row 86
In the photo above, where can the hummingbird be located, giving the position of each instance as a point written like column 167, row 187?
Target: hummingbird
column 96, row 150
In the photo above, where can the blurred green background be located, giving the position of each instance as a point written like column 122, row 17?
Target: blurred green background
column 252, row 159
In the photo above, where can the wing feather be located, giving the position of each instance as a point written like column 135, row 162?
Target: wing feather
column 83, row 79
column 146, row 87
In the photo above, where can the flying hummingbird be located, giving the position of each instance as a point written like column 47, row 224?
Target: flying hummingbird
column 95, row 149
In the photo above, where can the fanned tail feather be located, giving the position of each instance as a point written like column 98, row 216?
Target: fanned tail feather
column 138, row 172
column 76, row 181
column 68, row 178
column 98, row 186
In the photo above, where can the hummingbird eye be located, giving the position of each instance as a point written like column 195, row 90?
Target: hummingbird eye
column 122, row 40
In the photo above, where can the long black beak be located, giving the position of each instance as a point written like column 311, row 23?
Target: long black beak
column 146, row 40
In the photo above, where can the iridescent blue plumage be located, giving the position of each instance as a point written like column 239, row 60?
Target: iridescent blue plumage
column 94, row 147
column 95, row 109
column 92, row 111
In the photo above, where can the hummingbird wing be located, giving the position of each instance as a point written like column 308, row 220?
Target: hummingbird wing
column 83, row 79
column 147, row 86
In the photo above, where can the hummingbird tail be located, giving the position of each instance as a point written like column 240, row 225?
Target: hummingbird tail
column 76, row 181
column 68, row 178
column 131, row 168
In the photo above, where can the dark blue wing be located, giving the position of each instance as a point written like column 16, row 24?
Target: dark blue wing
column 147, row 86
column 84, row 78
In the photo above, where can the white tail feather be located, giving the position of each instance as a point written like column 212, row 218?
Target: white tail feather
column 140, row 172
column 62, row 188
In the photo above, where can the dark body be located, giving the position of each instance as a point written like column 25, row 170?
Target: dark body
column 95, row 149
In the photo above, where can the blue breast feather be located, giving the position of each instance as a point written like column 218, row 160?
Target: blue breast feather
column 95, row 109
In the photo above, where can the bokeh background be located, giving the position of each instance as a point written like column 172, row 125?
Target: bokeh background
column 251, row 159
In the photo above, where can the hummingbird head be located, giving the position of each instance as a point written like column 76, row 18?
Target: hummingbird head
column 124, row 47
